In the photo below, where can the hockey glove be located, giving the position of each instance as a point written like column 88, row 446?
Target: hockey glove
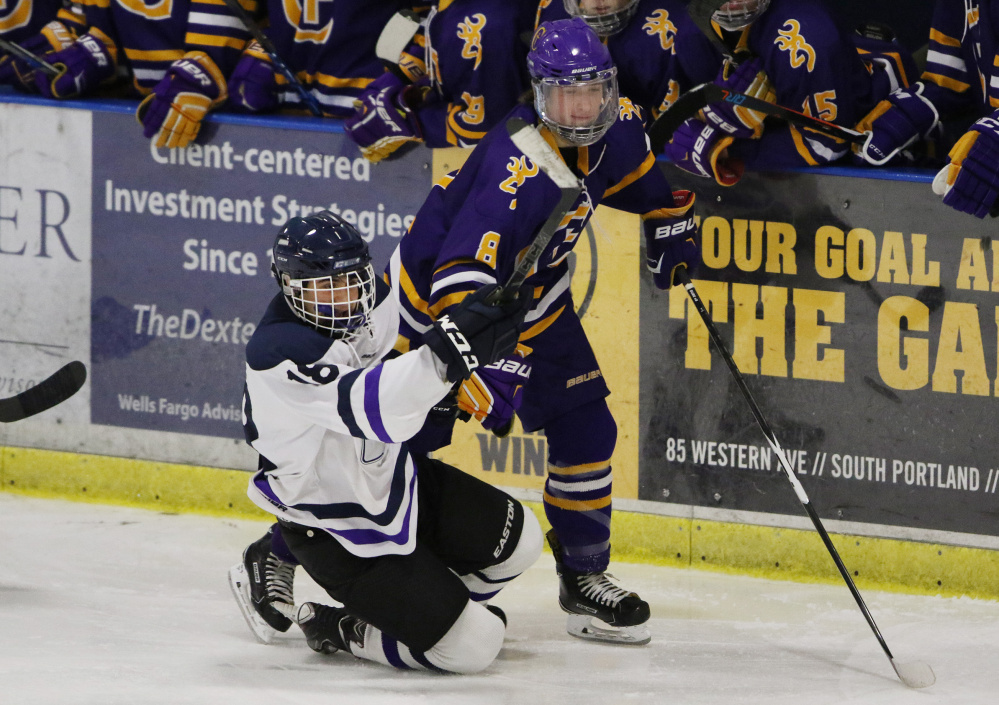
column 669, row 240
column 475, row 333
column 700, row 149
column 171, row 115
column 253, row 84
column 732, row 119
column 85, row 64
column 55, row 36
column 970, row 183
column 383, row 119
column 493, row 392
column 894, row 124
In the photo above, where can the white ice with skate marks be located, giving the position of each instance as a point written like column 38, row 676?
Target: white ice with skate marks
column 108, row 605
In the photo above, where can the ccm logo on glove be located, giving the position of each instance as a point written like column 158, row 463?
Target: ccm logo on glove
column 459, row 341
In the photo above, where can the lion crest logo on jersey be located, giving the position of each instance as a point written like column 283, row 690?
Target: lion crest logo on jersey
column 304, row 16
column 794, row 44
column 628, row 109
column 658, row 24
column 470, row 32
column 521, row 169
column 19, row 16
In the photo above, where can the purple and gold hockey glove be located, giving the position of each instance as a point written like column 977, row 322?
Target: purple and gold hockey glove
column 171, row 115
column 55, row 36
column 494, row 392
column 253, row 84
column 85, row 64
column 700, row 149
column 735, row 120
column 895, row 123
column 383, row 119
column 669, row 240
column 970, row 183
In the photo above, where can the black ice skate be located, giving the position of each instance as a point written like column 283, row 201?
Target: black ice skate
column 263, row 586
column 591, row 599
column 330, row 629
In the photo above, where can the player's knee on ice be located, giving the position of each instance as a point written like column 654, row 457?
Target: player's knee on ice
column 472, row 642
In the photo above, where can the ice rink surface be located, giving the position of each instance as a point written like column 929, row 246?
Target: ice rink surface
column 111, row 605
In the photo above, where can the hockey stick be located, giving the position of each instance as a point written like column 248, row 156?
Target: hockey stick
column 533, row 146
column 916, row 674
column 268, row 46
column 33, row 60
column 56, row 389
column 688, row 105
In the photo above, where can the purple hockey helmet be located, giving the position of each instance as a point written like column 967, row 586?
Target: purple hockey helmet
column 607, row 17
column 574, row 81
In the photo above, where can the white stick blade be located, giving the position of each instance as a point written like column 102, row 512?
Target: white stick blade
column 916, row 674
column 532, row 144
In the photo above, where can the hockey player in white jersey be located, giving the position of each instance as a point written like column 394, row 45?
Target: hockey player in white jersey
column 411, row 548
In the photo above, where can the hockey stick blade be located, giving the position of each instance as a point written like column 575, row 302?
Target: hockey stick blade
column 43, row 396
column 35, row 61
column 691, row 102
column 268, row 46
column 914, row 675
column 530, row 142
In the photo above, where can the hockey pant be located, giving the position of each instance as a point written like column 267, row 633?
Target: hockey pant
column 564, row 397
column 426, row 610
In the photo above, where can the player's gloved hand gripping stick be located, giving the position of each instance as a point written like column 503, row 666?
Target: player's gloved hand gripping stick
column 36, row 62
column 268, row 46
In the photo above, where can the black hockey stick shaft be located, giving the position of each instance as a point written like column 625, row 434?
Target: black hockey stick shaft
column 691, row 102
column 268, row 46
column 913, row 675
column 56, row 389
column 30, row 57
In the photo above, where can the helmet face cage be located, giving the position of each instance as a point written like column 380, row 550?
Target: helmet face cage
column 578, row 110
column 739, row 14
column 338, row 305
column 596, row 14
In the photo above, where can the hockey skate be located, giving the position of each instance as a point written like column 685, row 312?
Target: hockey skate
column 330, row 629
column 598, row 609
column 263, row 586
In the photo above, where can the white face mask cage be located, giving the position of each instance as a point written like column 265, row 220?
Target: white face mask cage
column 578, row 111
column 604, row 20
column 739, row 14
column 339, row 306
column 606, row 17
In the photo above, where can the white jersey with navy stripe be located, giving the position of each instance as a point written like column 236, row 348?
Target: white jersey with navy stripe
column 329, row 419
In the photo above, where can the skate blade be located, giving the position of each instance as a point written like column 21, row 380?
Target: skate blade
column 583, row 626
column 239, row 582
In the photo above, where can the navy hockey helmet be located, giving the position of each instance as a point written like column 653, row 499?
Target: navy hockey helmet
column 574, row 81
column 734, row 15
column 324, row 270
column 606, row 17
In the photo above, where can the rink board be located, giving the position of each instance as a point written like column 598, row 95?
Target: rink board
column 150, row 266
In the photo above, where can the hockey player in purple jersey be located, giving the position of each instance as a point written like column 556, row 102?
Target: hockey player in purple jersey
column 794, row 53
column 659, row 52
column 40, row 26
column 330, row 49
column 474, row 59
column 960, row 76
column 470, row 232
column 411, row 547
column 177, row 54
